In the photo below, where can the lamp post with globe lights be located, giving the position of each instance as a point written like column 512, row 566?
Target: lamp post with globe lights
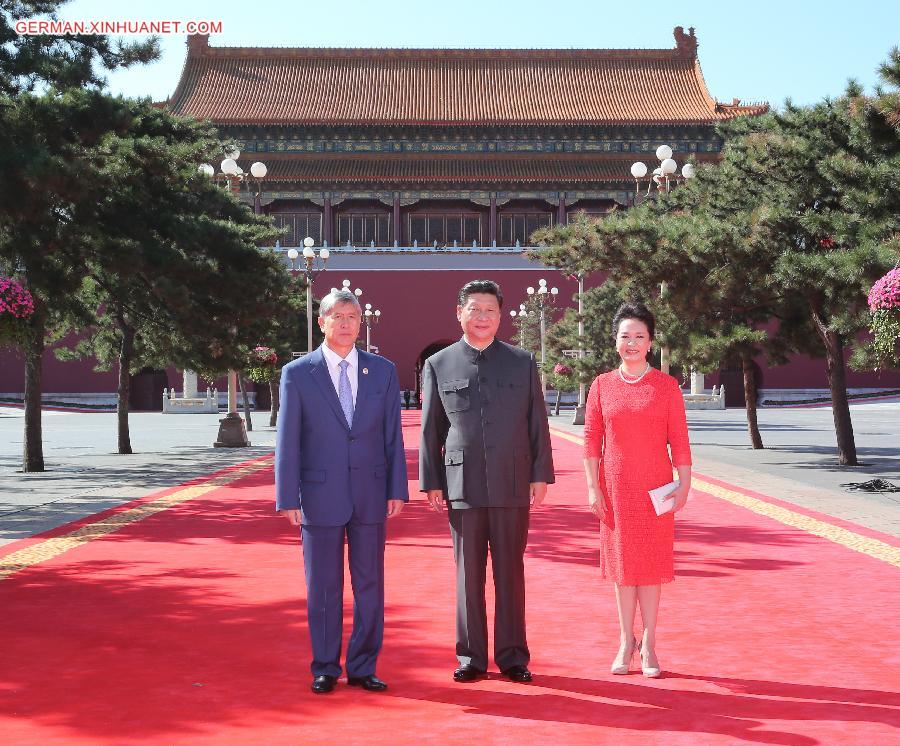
column 345, row 285
column 664, row 176
column 546, row 297
column 521, row 312
column 232, row 176
column 313, row 266
column 578, row 418
column 232, row 432
column 371, row 318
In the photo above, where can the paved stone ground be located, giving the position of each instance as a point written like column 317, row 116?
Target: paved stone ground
column 84, row 474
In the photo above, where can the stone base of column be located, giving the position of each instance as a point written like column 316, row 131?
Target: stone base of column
column 578, row 419
column 232, row 432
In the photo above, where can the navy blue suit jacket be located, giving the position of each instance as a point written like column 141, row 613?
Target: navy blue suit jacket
column 328, row 470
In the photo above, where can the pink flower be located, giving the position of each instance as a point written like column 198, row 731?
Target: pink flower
column 15, row 300
column 562, row 370
column 885, row 293
column 264, row 355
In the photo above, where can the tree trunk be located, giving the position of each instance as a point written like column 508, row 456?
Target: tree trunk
column 246, row 401
column 123, row 403
column 273, row 395
column 33, row 447
column 750, row 397
column 840, row 405
column 837, row 384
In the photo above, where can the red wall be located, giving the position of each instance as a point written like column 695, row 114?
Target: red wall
column 418, row 310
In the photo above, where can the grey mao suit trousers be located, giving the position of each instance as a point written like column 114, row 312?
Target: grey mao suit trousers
column 503, row 532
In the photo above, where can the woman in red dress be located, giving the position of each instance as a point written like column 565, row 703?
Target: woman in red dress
column 633, row 418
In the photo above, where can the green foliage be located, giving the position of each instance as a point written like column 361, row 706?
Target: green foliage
column 169, row 254
column 13, row 331
column 885, row 326
column 773, row 249
column 62, row 61
column 600, row 305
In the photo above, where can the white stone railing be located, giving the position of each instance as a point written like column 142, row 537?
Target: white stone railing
column 435, row 248
column 174, row 404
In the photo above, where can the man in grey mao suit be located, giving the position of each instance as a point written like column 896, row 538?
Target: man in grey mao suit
column 485, row 451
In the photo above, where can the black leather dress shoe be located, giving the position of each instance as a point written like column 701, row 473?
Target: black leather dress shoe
column 519, row 674
column 324, row 684
column 467, row 673
column 370, row 683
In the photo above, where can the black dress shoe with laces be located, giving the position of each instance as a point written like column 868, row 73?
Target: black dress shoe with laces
column 324, row 684
column 519, row 674
column 370, row 683
column 467, row 673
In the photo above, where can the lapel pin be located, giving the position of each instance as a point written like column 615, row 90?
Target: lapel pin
column 365, row 371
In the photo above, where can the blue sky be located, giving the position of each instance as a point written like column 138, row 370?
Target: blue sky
column 757, row 51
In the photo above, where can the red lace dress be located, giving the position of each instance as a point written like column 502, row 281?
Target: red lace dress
column 628, row 427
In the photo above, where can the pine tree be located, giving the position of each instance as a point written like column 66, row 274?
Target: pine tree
column 168, row 255
column 50, row 111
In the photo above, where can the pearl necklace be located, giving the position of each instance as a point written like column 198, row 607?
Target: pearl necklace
column 634, row 381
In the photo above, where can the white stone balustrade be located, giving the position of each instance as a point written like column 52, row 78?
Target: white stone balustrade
column 190, row 402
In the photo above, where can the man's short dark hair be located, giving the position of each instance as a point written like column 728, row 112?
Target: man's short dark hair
column 637, row 311
column 489, row 287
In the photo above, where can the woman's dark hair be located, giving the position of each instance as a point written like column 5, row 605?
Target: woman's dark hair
column 637, row 311
column 480, row 286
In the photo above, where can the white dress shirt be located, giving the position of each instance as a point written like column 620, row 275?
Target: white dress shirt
column 332, row 360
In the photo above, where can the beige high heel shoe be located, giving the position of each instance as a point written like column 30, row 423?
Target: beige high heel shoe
column 651, row 672
column 623, row 669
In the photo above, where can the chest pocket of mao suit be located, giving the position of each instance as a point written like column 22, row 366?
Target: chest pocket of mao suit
column 455, row 395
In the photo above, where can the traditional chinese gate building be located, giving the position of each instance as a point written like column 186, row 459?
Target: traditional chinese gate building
column 421, row 169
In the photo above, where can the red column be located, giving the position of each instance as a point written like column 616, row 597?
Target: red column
column 492, row 232
column 328, row 223
column 561, row 212
column 396, row 221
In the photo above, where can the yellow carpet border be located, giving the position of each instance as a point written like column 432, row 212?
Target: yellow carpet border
column 50, row 548
column 875, row 548
column 57, row 545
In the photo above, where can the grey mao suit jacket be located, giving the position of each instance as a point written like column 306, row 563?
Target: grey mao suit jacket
column 485, row 435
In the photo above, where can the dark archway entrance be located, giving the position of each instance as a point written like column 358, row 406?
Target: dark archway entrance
column 732, row 378
column 420, row 363
column 147, row 390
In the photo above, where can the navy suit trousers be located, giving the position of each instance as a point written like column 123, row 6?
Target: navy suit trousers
column 323, row 562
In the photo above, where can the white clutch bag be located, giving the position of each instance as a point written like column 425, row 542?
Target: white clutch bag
column 662, row 503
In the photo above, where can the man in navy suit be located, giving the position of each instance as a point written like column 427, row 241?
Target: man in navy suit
column 340, row 471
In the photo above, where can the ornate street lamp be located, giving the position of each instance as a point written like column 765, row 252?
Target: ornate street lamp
column 371, row 318
column 521, row 312
column 546, row 297
column 232, row 176
column 314, row 265
column 578, row 419
column 664, row 176
column 232, row 430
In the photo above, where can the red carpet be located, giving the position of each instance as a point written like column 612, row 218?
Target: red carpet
column 189, row 627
